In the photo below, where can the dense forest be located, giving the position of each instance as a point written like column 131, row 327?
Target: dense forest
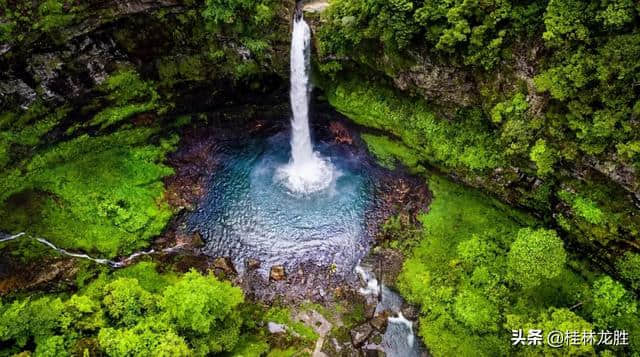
column 519, row 121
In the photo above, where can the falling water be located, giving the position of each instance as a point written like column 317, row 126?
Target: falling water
column 306, row 171
column 301, row 150
column 399, row 338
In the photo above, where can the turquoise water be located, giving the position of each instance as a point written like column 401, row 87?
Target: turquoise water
column 249, row 213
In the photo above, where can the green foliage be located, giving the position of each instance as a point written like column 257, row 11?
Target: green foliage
column 584, row 207
column 476, row 312
column 53, row 346
column 461, row 273
column 583, row 59
column 54, row 14
column 126, row 302
column 147, row 338
column 565, row 21
column 94, row 193
column 510, row 109
column 543, row 156
column 554, row 319
column 535, row 257
column 253, row 23
column 388, row 152
column 475, row 32
column 100, row 192
column 204, row 309
column 612, row 303
column 27, row 20
column 183, row 316
column 629, row 268
column 128, row 95
column 23, row 320
column 463, row 144
column 284, row 316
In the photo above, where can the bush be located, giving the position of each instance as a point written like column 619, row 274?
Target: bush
column 535, row 256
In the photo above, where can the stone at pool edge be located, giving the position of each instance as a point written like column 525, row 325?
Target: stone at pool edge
column 277, row 273
column 225, row 264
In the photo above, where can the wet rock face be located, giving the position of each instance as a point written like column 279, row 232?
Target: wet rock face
column 67, row 72
column 50, row 274
column 67, row 63
column 193, row 164
column 443, row 84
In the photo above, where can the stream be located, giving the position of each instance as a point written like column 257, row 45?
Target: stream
column 399, row 339
column 112, row 263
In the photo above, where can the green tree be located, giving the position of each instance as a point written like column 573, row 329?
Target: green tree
column 126, row 301
column 476, row 311
column 149, row 338
column 535, row 255
column 543, row 156
column 611, row 303
column 205, row 311
column 629, row 267
column 553, row 319
column 24, row 320
column 53, row 346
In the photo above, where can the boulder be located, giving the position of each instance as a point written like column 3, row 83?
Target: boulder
column 360, row 334
column 379, row 321
column 370, row 308
column 276, row 328
column 277, row 273
column 373, row 352
column 225, row 264
column 410, row 312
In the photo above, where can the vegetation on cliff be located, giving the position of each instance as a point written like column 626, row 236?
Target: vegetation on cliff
column 96, row 189
column 480, row 269
column 535, row 101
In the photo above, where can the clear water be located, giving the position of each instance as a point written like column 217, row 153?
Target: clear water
column 249, row 212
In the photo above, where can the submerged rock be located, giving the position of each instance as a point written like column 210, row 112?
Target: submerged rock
column 252, row 264
column 277, row 273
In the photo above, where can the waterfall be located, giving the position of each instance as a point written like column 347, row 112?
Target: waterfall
column 301, row 150
column 307, row 171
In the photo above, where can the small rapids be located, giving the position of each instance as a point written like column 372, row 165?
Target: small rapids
column 399, row 339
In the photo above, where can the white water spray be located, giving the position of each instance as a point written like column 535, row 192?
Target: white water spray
column 398, row 339
column 307, row 171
